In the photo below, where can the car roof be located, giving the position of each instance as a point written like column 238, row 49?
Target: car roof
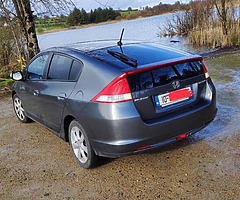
column 88, row 46
column 145, row 53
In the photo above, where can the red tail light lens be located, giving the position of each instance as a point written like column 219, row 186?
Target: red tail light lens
column 205, row 71
column 116, row 91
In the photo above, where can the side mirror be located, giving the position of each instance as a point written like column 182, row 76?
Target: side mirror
column 17, row 76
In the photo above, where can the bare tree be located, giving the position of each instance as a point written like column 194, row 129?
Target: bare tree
column 22, row 10
column 222, row 13
column 25, row 17
column 9, row 21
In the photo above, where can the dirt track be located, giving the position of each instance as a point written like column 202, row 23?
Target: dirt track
column 36, row 164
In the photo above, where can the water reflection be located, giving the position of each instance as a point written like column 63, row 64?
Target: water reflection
column 146, row 29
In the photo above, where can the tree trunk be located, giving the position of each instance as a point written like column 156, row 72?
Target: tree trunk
column 19, row 12
column 32, row 42
column 224, row 17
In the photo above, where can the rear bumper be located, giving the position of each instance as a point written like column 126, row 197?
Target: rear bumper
column 117, row 129
column 152, row 146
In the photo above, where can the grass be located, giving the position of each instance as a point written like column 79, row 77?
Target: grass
column 6, row 82
column 43, row 29
column 128, row 12
column 6, row 92
column 221, row 67
column 43, row 25
column 227, row 61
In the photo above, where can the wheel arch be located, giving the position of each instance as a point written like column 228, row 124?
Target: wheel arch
column 13, row 93
column 67, row 120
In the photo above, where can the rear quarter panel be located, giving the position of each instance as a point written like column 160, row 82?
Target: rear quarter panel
column 94, row 77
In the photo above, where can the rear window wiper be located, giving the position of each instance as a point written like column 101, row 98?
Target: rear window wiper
column 124, row 58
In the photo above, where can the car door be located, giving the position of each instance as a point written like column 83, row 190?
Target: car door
column 33, row 83
column 60, row 82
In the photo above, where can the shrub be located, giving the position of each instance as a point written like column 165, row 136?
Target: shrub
column 206, row 26
column 132, row 16
column 40, row 30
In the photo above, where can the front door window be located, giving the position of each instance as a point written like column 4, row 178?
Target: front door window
column 36, row 68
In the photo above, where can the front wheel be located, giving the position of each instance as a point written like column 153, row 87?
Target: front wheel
column 19, row 111
column 82, row 150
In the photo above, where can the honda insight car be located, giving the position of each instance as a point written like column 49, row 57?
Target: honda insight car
column 109, row 99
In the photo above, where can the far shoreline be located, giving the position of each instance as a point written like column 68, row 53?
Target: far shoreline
column 99, row 24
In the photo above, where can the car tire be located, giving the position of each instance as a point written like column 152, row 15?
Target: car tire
column 19, row 111
column 79, row 142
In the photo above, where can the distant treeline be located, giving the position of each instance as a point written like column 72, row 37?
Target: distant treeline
column 78, row 17
column 164, row 8
column 156, row 10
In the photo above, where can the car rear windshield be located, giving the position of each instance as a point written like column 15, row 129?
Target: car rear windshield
column 164, row 75
column 144, row 54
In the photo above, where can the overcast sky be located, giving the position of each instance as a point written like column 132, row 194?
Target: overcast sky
column 122, row 4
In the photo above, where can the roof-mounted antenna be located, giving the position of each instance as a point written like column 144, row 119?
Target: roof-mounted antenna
column 119, row 43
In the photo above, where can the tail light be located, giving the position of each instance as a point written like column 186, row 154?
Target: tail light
column 205, row 71
column 116, row 91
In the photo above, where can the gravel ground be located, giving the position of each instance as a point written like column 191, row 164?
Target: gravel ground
column 36, row 164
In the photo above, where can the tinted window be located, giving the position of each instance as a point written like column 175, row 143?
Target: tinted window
column 146, row 81
column 143, row 53
column 36, row 68
column 165, row 75
column 60, row 67
column 198, row 66
column 134, row 83
column 75, row 70
column 186, row 70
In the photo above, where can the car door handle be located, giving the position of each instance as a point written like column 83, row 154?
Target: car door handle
column 61, row 96
column 35, row 92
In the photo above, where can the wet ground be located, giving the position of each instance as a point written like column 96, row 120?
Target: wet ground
column 36, row 164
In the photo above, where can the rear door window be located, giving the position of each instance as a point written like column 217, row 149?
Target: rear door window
column 60, row 67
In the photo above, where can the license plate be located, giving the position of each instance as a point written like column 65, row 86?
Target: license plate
column 173, row 97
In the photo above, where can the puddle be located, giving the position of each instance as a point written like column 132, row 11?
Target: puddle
column 227, row 121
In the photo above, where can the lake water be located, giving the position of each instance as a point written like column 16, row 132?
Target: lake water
column 145, row 29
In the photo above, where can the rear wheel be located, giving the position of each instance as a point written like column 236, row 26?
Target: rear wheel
column 19, row 111
column 82, row 150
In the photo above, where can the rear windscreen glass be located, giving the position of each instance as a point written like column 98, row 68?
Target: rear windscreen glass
column 164, row 75
column 144, row 54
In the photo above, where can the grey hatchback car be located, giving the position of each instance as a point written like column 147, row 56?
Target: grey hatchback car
column 112, row 100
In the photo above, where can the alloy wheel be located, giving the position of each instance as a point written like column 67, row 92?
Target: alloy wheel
column 79, row 144
column 19, row 109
